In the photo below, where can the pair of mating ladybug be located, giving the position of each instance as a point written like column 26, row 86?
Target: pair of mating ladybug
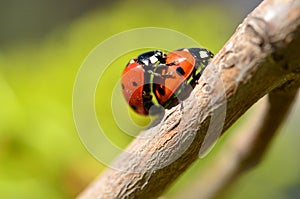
column 155, row 80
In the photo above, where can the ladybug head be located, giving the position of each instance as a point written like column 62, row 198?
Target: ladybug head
column 151, row 58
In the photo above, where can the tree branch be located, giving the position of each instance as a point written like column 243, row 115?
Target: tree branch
column 261, row 56
column 245, row 150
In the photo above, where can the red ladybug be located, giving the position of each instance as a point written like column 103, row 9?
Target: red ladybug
column 155, row 80
column 136, row 80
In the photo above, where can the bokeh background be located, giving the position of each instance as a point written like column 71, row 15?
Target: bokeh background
column 42, row 45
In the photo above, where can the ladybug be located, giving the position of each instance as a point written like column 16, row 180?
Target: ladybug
column 155, row 80
column 136, row 80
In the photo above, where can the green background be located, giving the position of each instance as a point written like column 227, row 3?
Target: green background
column 41, row 155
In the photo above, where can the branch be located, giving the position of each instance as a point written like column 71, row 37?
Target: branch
column 245, row 150
column 261, row 56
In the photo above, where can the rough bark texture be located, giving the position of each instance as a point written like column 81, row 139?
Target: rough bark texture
column 261, row 57
column 244, row 150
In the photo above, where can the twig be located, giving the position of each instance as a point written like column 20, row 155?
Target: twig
column 245, row 150
column 262, row 55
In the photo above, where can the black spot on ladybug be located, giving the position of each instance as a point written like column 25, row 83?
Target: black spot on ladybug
column 123, row 86
column 148, row 104
column 161, row 90
column 134, row 107
column 146, row 96
column 134, row 84
column 180, row 71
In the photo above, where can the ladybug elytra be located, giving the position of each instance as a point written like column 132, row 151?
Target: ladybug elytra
column 155, row 79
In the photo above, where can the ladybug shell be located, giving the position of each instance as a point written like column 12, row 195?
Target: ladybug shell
column 132, row 86
column 180, row 71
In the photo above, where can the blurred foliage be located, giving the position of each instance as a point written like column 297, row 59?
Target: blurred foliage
column 41, row 155
column 33, row 19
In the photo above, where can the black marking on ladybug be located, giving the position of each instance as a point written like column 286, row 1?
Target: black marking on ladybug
column 161, row 90
column 134, row 84
column 133, row 107
column 151, row 58
column 147, row 96
column 152, row 64
column 148, row 105
column 180, row 71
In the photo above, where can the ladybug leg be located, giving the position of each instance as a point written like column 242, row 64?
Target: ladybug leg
column 166, row 65
column 162, row 66
column 154, row 73
column 172, row 63
column 167, row 75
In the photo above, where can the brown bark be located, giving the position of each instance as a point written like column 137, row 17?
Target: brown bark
column 245, row 149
